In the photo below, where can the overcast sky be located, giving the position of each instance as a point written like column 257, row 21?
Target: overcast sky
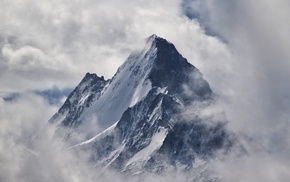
column 240, row 46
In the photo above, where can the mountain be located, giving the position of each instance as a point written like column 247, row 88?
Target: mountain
column 138, row 121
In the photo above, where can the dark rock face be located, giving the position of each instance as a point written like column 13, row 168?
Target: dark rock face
column 183, row 142
column 152, row 134
column 171, row 70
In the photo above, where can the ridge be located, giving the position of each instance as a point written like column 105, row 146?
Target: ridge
column 134, row 122
column 145, row 96
column 96, row 101
column 80, row 98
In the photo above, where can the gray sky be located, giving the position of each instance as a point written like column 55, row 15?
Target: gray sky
column 240, row 46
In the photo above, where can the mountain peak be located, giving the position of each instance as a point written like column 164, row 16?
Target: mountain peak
column 93, row 76
column 134, row 122
column 157, row 41
column 152, row 38
column 170, row 68
column 159, row 66
column 167, row 56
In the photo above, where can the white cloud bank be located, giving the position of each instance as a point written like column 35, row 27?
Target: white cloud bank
column 255, row 91
column 257, row 87
column 47, row 44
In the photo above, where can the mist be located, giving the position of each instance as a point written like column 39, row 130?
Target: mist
column 253, row 85
column 240, row 47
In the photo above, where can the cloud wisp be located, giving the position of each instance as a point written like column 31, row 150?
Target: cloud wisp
column 241, row 47
column 254, row 92
column 54, row 44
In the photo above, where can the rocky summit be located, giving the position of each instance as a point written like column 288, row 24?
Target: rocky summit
column 138, row 121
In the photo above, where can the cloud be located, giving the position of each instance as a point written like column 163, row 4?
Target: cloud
column 252, row 83
column 30, row 150
column 258, row 87
column 51, row 45
column 257, row 165
column 241, row 47
column 46, row 44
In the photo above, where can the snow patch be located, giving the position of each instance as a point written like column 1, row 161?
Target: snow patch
column 129, row 86
column 162, row 90
column 100, row 135
column 141, row 91
column 83, row 99
column 113, row 156
column 155, row 113
column 155, row 144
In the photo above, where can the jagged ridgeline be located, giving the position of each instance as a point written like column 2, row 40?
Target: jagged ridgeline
column 135, row 121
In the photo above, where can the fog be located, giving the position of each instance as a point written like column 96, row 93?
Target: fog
column 240, row 47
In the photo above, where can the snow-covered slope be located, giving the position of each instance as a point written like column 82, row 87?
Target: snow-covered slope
column 141, row 112
column 110, row 98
